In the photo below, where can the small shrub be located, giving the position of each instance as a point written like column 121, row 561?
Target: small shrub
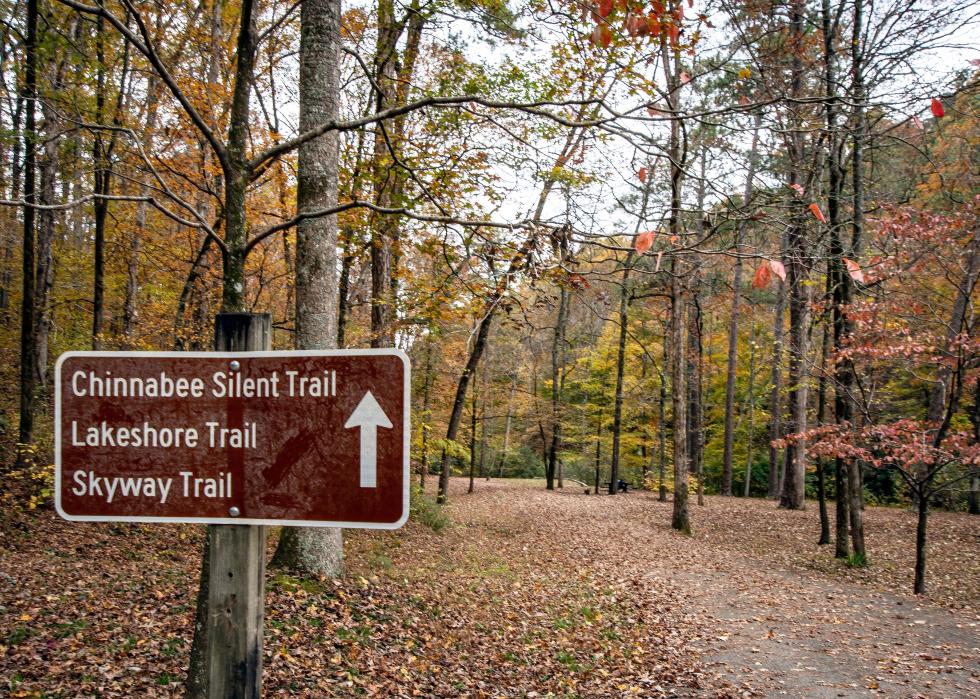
column 424, row 510
column 29, row 485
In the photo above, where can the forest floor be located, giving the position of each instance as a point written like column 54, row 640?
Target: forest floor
column 528, row 593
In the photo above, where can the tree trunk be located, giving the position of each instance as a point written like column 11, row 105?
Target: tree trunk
column 598, row 453
column 793, row 487
column 695, row 385
column 557, row 367
column 662, row 419
column 624, row 299
column 751, row 427
column 920, row 544
column 343, row 291
column 510, row 408
column 44, row 261
column 6, row 272
column 26, row 427
column 472, row 435
column 483, row 438
column 392, row 76
column 821, row 419
column 316, row 550
column 678, row 311
column 855, row 486
column 425, row 416
column 479, row 344
column 102, row 186
column 776, row 394
column 726, row 472
column 236, row 176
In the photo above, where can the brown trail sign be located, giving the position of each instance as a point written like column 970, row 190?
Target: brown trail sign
column 311, row 438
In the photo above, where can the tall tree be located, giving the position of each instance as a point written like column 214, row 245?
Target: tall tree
column 319, row 550
column 793, row 487
column 726, row 476
column 25, row 434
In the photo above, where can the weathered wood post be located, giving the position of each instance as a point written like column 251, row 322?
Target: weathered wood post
column 236, row 580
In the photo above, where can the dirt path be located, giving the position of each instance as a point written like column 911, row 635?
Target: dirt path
column 799, row 633
column 775, row 631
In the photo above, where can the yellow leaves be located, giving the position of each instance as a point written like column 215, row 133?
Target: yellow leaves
column 745, row 73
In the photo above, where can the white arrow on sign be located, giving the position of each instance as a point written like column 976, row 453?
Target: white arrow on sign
column 369, row 416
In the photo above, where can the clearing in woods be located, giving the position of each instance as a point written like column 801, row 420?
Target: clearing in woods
column 529, row 593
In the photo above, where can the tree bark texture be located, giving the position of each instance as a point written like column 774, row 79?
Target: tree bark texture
column 557, row 368
column 26, row 424
column 793, row 487
column 776, row 394
column 316, row 550
column 624, row 294
column 680, row 519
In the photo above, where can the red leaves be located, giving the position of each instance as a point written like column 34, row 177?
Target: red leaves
column 642, row 174
column 601, row 36
column 636, row 25
column 763, row 274
column 685, row 78
column 777, row 268
column 762, row 277
column 854, row 269
column 578, row 282
column 605, row 7
column 937, row 108
column 817, row 213
column 644, row 241
column 653, row 24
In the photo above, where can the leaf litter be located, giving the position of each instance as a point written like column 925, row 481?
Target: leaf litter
column 528, row 594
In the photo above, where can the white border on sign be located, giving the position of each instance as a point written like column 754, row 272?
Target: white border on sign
column 407, row 409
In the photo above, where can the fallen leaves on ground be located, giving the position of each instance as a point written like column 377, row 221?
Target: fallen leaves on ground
column 530, row 593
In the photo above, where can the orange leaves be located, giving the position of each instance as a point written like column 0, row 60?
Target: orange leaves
column 578, row 282
column 637, row 25
column 762, row 277
column 636, row 21
column 642, row 174
column 854, row 269
column 644, row 241
column 764, row 272
column 653, row 24
column 817, row 213
column 601, row 36
column 937, row 108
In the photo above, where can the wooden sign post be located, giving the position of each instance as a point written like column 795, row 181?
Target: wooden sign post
column 236, row 560
column 239, row 438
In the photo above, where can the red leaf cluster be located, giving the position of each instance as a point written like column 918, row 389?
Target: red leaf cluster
column 644, row 241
